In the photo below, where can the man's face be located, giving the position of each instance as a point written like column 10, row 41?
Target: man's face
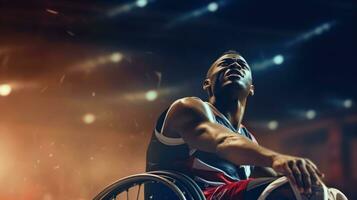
column 230, row 75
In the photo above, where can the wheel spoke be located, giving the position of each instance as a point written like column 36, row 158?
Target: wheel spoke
column 137, row 195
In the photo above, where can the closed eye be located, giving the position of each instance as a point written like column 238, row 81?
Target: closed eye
column 225, row 63
column 228, row 61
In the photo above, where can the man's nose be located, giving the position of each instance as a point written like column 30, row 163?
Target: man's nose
column 235, row 65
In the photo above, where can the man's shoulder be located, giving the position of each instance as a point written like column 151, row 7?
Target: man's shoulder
column 187, row 107
column 188, row 103
column 189, row 99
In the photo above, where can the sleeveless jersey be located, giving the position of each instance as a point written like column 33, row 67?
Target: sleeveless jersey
column 206, row 169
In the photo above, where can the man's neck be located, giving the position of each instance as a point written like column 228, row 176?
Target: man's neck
column 233, row 110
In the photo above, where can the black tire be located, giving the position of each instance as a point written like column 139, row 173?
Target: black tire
column 124, row 184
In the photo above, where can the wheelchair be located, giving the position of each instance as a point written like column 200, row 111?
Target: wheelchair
column 171, row 185
column 174, row 185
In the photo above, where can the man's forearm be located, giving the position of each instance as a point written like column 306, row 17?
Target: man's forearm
column 242, row 151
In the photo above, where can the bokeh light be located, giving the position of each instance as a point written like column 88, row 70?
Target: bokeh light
column 347, row 103
column 212, row 7
column 5, row 89
column 116, row 57
column 310, row 114
column 273, row 125
column 151, row 95
column 88, row 118
column 141, row 3
column 278, row 59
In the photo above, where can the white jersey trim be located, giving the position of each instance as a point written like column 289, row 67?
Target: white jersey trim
column 168, row 140
column 211, row 183
column 199, row 164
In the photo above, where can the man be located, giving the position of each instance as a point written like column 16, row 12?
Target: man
column 207, row 141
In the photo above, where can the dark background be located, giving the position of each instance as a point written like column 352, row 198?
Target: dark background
column 56, row 56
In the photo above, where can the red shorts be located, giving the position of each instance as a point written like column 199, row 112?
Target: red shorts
column 229, row 191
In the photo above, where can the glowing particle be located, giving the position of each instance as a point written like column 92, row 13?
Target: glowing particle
column 151, row 95
column 310, row 114
column 70, row 33
column 141, row 3
column 273, row 125
column 88, row 118
column 116, row 57
column 212, row 7
column 52, row 11
column 278, row 59
column 5, row 90
column 50, row 155
column 62, row 78
column 93, row 94
column 347, row 103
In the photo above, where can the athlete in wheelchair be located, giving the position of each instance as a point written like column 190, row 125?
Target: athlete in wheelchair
column 200, row 150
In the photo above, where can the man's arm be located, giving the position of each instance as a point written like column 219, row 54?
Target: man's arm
column 190, row 119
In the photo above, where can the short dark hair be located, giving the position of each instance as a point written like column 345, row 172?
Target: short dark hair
column 230, row 52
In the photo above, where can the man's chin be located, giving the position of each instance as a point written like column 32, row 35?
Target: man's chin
column 232, row 88
column 233, row 85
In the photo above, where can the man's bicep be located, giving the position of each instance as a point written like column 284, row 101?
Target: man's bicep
column 207, row 136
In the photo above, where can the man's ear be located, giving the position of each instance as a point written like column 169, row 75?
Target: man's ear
column 206, row 84
column 251, row 90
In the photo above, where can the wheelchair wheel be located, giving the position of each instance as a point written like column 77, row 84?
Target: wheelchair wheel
column 185, row 183
column 121, row 188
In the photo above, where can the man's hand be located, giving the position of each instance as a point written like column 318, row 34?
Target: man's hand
column 302, row 172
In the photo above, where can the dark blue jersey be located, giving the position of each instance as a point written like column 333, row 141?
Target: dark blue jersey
column 207, row 169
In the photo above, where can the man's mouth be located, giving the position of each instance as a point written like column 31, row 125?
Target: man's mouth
column 233, row 73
